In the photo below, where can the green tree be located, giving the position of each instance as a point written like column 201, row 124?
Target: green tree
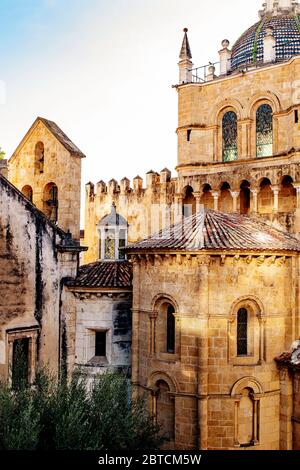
column 2, row 154
column 80, row 414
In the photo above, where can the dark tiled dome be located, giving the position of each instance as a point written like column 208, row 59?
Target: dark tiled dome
column 249, row 47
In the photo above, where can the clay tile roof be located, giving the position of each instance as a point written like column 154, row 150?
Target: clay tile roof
column 210, row 230
column 62, row 137
column 109, row 274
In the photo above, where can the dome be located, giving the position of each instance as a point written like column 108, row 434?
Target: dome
column 249, row 47
column 113, row 219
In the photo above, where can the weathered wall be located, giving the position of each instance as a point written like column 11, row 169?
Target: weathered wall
column 30, row 274
column 207, row 293
column 88, row 311
column 60, row 168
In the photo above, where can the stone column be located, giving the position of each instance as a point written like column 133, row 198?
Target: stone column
column 216, row 195
column 152, row 317
column 276, row 190
column 204, row 265
column 236, row 422
column 235, row 195
column 255, row 439
column 297, row 187
column 198, row 201
column 135, row 323
column 254, row 200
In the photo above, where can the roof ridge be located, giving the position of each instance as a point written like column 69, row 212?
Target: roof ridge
column 210, row 229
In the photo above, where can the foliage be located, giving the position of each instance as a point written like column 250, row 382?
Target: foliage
column 79, row 414
column 2, row 154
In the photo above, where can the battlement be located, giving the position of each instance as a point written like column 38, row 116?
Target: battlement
column 155, row 183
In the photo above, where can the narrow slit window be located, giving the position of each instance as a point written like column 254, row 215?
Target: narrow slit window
column 188, row 135
column 20, row 366
column 264, row 131
column 230, row 132
column 170, row 330
column 242, row 332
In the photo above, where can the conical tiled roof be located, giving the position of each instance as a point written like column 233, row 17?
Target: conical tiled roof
column 113, row 219
column 185, row 52
column 210, row 230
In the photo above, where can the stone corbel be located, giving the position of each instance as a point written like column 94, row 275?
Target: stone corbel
column 150, row 260
column 204, row 260
column 260, row 260
column 281, row 261
column 271, row 260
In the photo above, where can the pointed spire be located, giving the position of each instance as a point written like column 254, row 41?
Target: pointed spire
column 185, row 52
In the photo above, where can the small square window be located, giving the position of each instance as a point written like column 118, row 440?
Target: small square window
column 100, row 344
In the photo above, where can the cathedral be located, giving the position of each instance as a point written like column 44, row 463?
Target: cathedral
column 188, row 282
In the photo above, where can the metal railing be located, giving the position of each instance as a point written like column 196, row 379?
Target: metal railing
column 200, row 74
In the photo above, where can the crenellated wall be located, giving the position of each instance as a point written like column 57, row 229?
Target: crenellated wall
column 269, row 189
column 144, row 208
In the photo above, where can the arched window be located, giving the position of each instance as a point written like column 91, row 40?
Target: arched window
column 39, row 158
column 265, row 197
column 264, row 131
column 112, row 229
column 245, row 197
column 242, row 332
column 50, row 202
column 171, row 330
column 225, row 200
column 229, row 133
column 287, row 195
column 28, row 193
column 189, row 202
column 207, row 199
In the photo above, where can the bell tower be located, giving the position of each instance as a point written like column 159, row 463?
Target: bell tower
column 46, row 168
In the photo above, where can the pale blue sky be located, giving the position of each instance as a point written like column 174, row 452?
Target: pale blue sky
column 103, row 70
